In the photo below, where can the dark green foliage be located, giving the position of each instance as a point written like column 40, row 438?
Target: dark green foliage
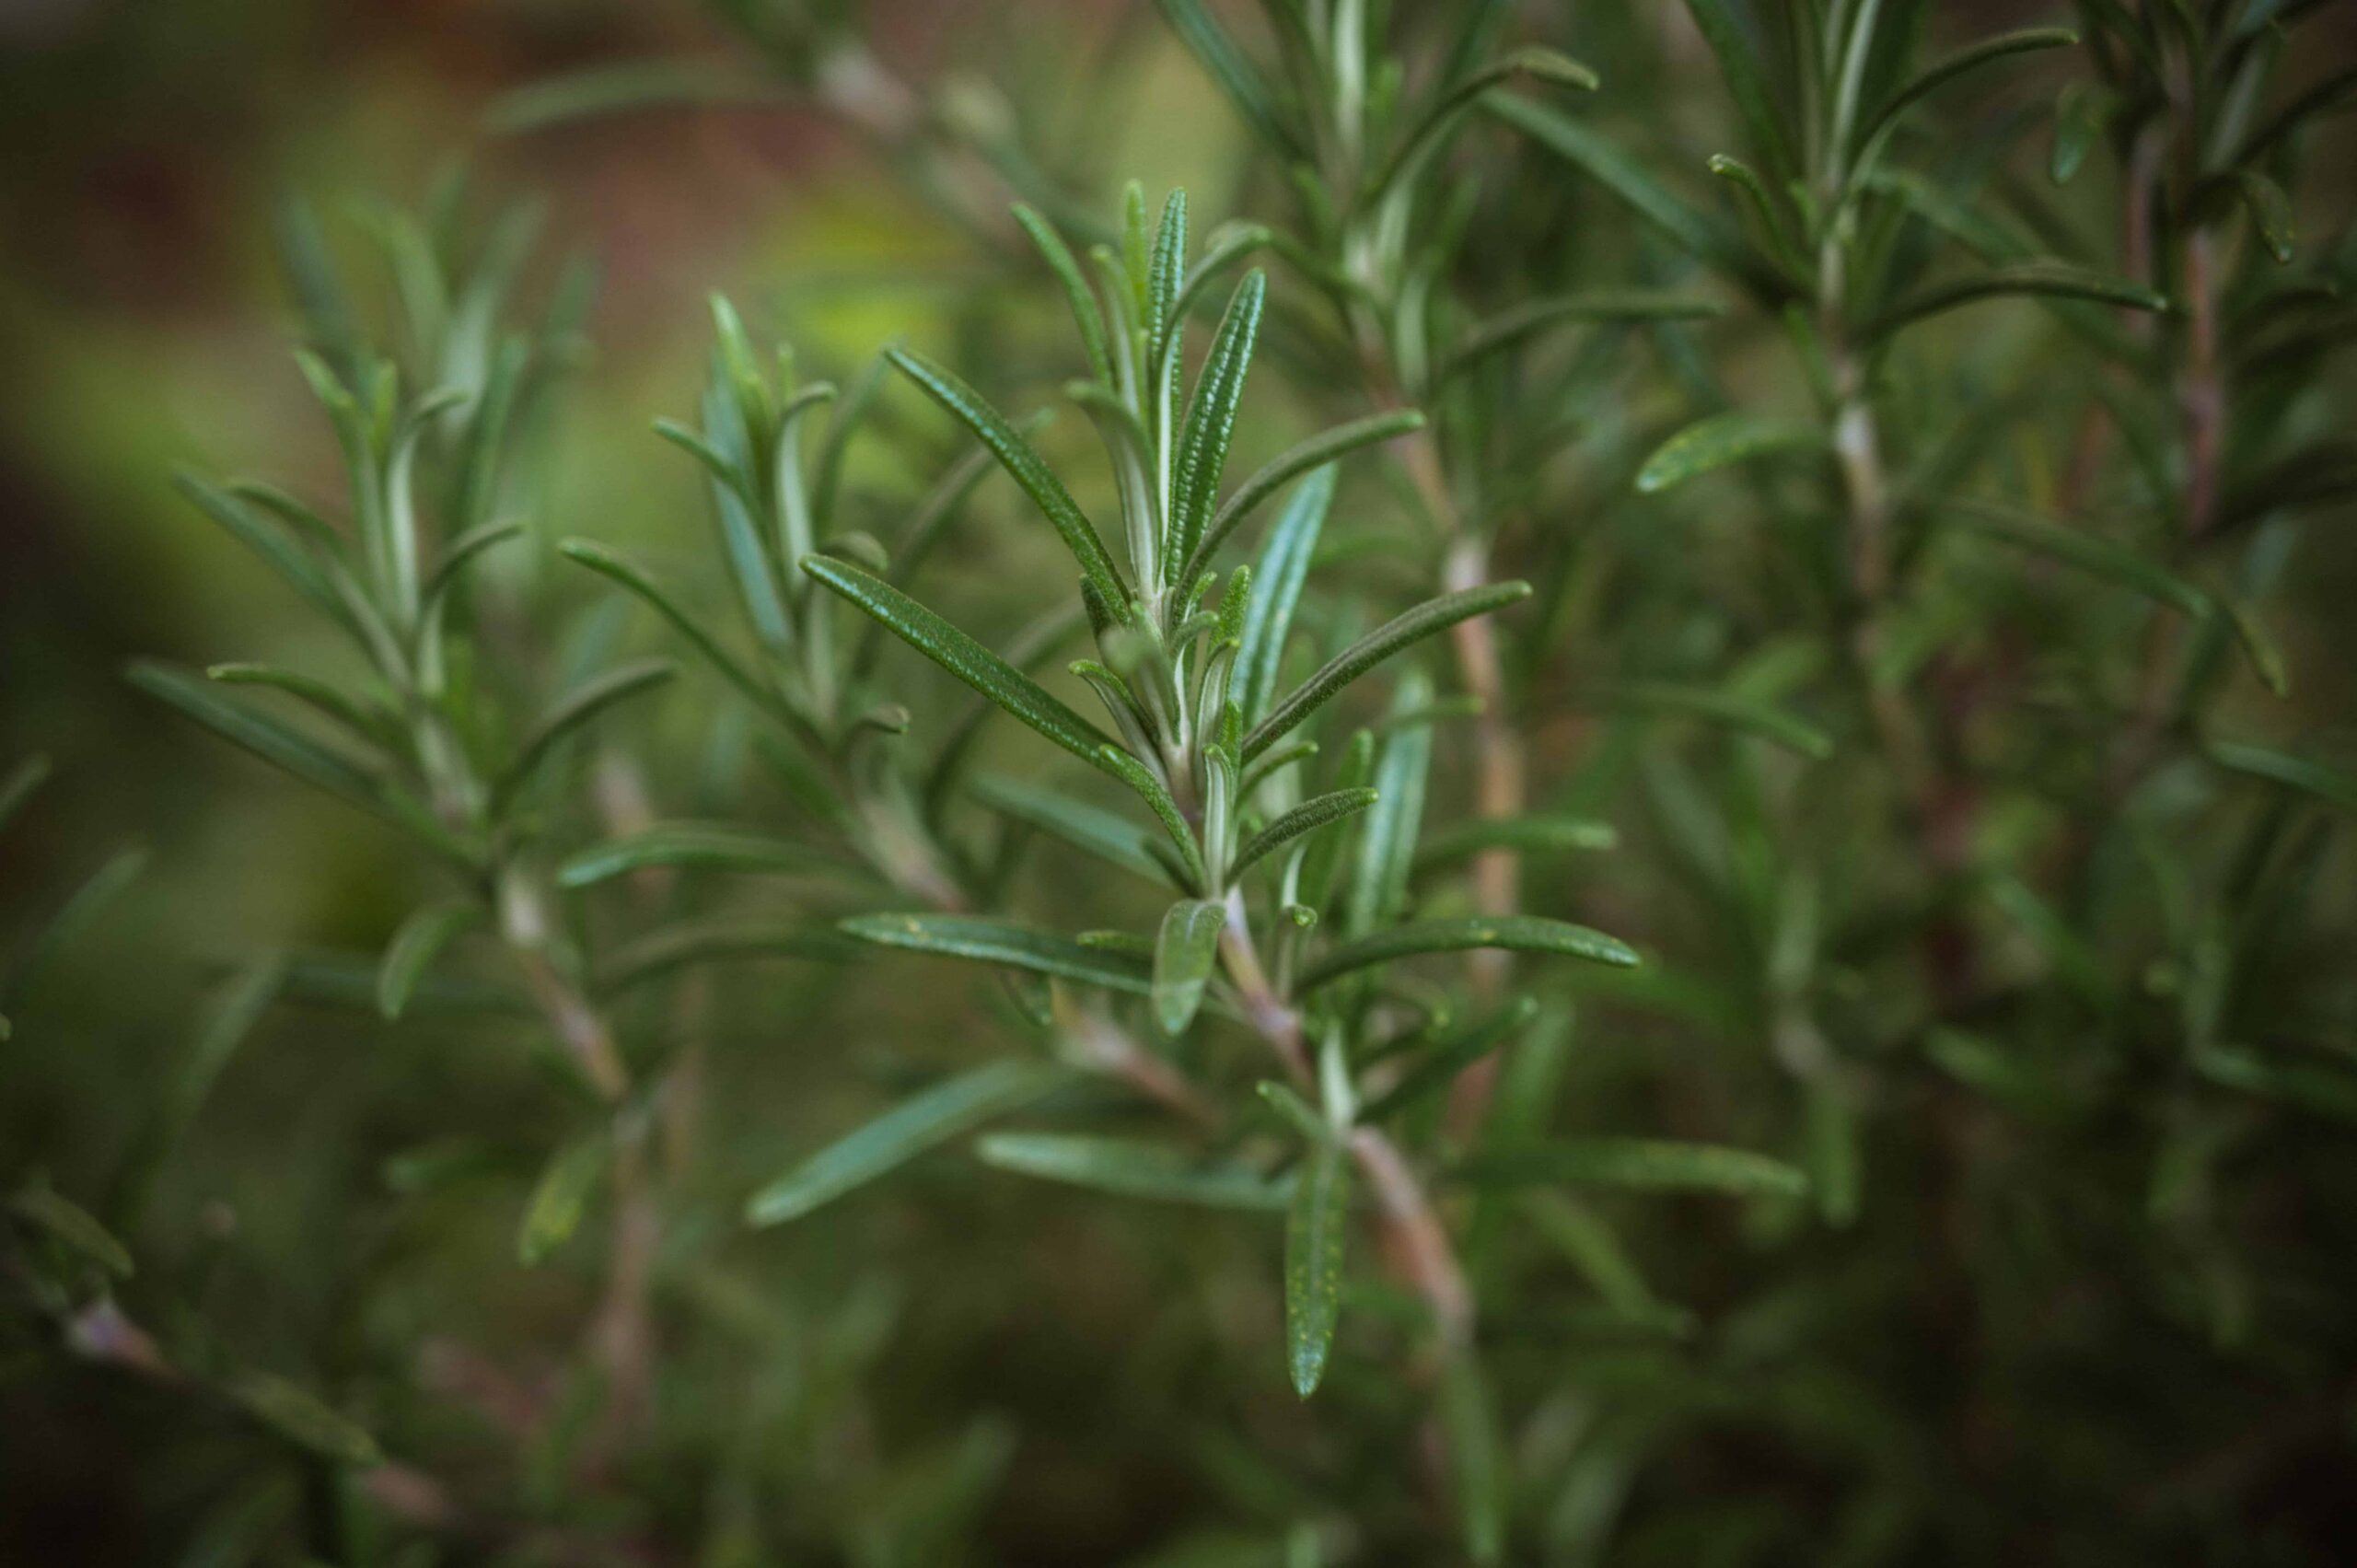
column 1871, row 485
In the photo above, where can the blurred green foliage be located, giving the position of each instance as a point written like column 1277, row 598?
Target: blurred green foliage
column 1937, row 509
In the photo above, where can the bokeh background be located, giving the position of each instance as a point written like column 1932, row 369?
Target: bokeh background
column 968, row 1372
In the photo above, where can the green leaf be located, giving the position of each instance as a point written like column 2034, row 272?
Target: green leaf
column 561, row 1196
column 1421, row 139
column 415, row 945
column 282, row 554
column 702, row 846
column 1386, row 842
column 265, row 737
column 967, row 659
column 946, row 1110
column 1741, row 54
column 1511, row 326
column 93, row 898
column 2059, row 280
column 73, row 1224
column 1278, row 574
column 1647, row 1163
column 675, row 947
column 2271, row 212
column 1424, row 620
column 303, row 1418
column 375, row 727
column 1130, row 1167
column 2285, row 768
column 1469, row 1423
column 1524, row 835
column 1087, row 827
column 1437, row 1067
column 1602, row 159
column 2080, row 110
column 1211, row 418
column 1519, row 934
column 1315, row 1233
column 573, row 711
column 1302, row 458
column 1226, row 66
column 1185, row 952
column 1313, row 813
column 1001, row 942
column 632, row 87
column 1085, row 313
column 1719, row 706
column 605, row 563
column 227, row 1020
column 1942, row 71
column 2089, row 552
column 22, row 780
column 1024, row 463
column 1718, row 440
column 1156, row 796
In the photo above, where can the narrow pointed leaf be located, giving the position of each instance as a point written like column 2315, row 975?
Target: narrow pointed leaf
column 605, row 563
column 1946, row 69
column 23, row 779
column 676, row 947
column 1315, row 1235
column 1156, row 796
column 1427, row 619
column 573, row 712
column 1021, row 460
column 415, row 945
column 1424, row 137
column 561, row 1196
column 1310, row 815
column 1619, row 305
column 1718, row 706
column 1234, row 75
column 1438, row 1066
column 945, row 1111
column 1132, row 1168
column 1085, row 313
column 1278, row 574
column 2056, row 280
column 2271, row 212
column 1317, row 452
column 2288, row 769
column 1086, row 826
column 1210, row 417
column 1603, row 159
column 962, row 657
column 1519, row 934
column 1718, row 440
column 1647, row 1163
column 1185, row 951
column 1001, row 941
column 2088, row 551
column 259, row 733
column 701, row 846
column 1524, row 835
column 303, row 1418
column 73, row 1224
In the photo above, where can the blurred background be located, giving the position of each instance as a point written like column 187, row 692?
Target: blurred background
column 965, row 1372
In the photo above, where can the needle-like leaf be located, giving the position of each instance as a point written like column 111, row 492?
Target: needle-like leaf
column 1718, row 440
column 1520, row 934
column 1315, row 1235
column 1432, row 616
column 1651, row 1164
column 416, row 943
column 570, row 713
column 1311, row 814
column 947, row 1110
column 1130, row 1167
column 561, row 1196
column 1022, row 462
column 1003, row 942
